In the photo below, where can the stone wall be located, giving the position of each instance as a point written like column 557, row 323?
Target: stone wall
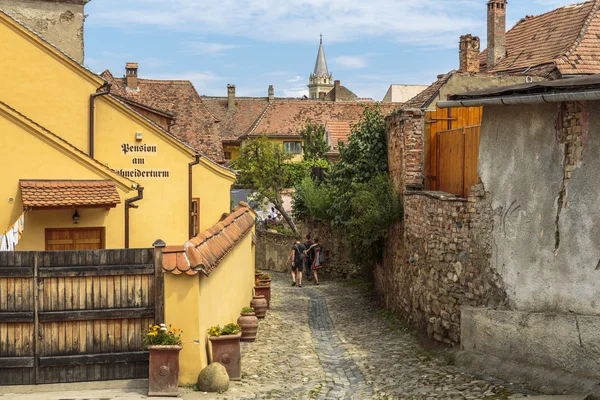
column 273, row 250
column 405, row 147
column 58, row 21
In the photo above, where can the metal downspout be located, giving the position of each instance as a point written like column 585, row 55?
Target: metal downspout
column 190, row 194
column 93, row 96
column 128, row 205
column 524, row 99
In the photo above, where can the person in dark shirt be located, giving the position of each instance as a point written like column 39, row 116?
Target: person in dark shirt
column 315, row 254
column 308, row 261
column 297, row 256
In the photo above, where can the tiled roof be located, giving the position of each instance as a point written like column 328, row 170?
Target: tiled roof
column 195, row 124
column 288, row 118
column 338, row 132
column 236, row 122
column 567, row 38
column 423, row 99
column 51, row 193
column 206, row 251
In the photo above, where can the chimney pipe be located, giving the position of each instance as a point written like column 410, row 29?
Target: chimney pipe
column 496, row 15
column 231, row 97
column 469, row 53
column 271, row 93
column 336, row 89
column 131, row 76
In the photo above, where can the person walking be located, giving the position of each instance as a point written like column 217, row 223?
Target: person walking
column 308, row 260
column 317, row 257
column 297, row 256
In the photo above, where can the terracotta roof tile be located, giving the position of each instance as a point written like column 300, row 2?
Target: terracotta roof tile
column 338, row 132
column 240, row 120
column 68, row 193
column 423, row 99
column 206, row 251
column 195, row 124
column 567, row 38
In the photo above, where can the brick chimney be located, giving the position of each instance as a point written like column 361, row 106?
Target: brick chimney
column 271, row 93
column 131, row 76
column 231, row 97
column 336, row 89
column 469, row 53
column 496, row 50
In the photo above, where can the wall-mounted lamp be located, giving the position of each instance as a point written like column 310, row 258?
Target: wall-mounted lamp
column 76, row 217
column 138, row 136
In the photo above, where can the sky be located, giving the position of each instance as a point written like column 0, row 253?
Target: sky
column 252, row 44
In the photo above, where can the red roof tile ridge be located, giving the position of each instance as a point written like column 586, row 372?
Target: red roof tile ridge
column 139, row 104
column 66, row 143
column 585, row 26
column 257, row 122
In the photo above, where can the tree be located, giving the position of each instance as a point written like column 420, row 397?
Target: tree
column 262, row 164
column 315, row 146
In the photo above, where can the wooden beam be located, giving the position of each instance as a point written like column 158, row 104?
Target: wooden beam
column 96, row 270
column 16, row 316
column 16, row 362
column 92, row 359
column 159, row 282
column 16, row 272
column 89, row 315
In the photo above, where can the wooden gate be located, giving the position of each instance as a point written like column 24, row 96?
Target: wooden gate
column 452, row 149
column 70, row 316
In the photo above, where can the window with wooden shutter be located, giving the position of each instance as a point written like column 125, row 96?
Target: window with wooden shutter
column 195, row 217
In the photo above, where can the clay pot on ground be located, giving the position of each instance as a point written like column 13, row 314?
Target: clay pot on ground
column 249, row 324
column 164, row 371
column 264, row 291
column 226, row 350
column 260, row 305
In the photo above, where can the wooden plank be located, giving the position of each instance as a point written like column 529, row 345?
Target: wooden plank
column 94, row 270
column 37, row 260
column 21, row 272
column 16, row 316
column 60, row 242
column 159, row 289
column 100, row 314
column 17, row 362
column 94, row 359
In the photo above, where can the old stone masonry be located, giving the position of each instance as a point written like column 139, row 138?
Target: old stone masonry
column 333, row 342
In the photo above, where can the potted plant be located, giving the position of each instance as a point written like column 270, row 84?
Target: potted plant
column 264, row 277
column 263, row 288
column 249, row 323
column 257, row 273
column 259, row 304
column 164, row 346
column 225, row 343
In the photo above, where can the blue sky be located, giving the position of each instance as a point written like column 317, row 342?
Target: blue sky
column 256, row 43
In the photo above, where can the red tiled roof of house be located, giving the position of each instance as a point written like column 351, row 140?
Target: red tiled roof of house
column 206, row 251
column 234, row 123
column 195, row 124
column 567, row 38
column 288, row 118
column 423, row 99
column 338, row 132
column 68, row 193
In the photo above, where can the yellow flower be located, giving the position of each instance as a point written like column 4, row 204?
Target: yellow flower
column 152, row 334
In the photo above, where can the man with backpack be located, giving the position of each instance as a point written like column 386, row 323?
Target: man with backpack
column 297, row 256
column 318, row 259
column 308, row 260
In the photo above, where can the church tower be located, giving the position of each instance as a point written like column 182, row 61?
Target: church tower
column 320, row 81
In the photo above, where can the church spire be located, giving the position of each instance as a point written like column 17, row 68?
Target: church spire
column 321, row 64
column 321, row 81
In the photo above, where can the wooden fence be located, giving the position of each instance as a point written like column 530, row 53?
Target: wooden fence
column 71, row 316
column 452, row 149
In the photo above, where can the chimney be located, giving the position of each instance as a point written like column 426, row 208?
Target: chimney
column 271, row 93
column 469, row 54
column 231, row 97
column 131, row 76
column 496, row 50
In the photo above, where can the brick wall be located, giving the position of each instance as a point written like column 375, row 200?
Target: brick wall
column 405, row 147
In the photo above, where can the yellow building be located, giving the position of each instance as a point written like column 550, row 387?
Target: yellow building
column 183, row 191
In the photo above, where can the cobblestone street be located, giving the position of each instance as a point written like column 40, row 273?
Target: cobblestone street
column 333, row 342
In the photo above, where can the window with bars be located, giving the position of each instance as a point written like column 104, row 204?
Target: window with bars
column 195, row 217
column 292, row 147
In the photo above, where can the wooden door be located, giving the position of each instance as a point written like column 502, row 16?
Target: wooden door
column 75, row 239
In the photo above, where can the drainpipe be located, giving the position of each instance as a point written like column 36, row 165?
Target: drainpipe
column 128, row 205
column 190, row 195
column 93, row 96
column 575, row 95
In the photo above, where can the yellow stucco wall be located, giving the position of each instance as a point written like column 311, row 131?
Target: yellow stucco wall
column 295, row 157
column 195, row 303
column 214, row 190
column 234, row 149
column 28, row 154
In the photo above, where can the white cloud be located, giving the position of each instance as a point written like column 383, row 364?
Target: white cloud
column 207, row 48
column 297, row 90
column 410, row 21
column 296, row 79
column 351, row 62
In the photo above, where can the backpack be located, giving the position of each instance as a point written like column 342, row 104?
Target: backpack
column 302, row 255
column 321, row 257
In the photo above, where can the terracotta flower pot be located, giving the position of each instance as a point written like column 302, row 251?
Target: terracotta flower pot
column 265, row 291
column 256, row 275
column 226, row 350
column 259, row 303
column 164, row 371
column 249, row 324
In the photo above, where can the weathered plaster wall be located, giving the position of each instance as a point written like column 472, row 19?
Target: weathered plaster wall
column 273, row 250
column 58, row 21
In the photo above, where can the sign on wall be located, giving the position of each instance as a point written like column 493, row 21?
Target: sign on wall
column 138, row 154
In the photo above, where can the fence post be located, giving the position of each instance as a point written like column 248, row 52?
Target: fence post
column 159, row 282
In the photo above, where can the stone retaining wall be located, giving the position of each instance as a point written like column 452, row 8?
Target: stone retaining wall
column 273, row 250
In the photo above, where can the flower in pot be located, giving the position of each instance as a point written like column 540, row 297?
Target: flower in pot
column 164, row 346
column 264, row 278
column 257, row 273
column 225, row 343
column 263, row 288
column 249, row 323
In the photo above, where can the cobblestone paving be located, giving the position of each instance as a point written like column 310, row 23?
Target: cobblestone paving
column 333, row 342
